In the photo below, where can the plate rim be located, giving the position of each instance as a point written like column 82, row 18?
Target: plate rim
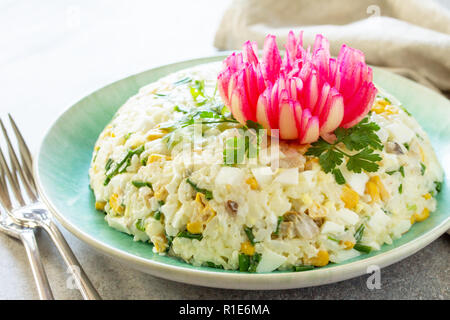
column 241, row 281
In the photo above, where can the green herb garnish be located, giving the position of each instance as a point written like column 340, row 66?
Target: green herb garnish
column 411, row 207
column 208, row 194
column 362, row 138
column 400, row 188
column 187, row 234
column 406, row 146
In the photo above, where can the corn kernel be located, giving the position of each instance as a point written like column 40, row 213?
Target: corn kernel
column 412, row 219
column 195, row 227
column 96, row 148
column 247, row 248
column 155, row 134
column 422, row 216
column 322, row 259
column 200, row 198
column 160, row 243
column 422, row 154
column 350, row 197
column 348, row 245
column 114, row 204
column 112, row 135
column 161, row 194
column 383, row 107
column 427, row 196
column 100, row 205
column 383, row 192
column 156, row 157
column 252, row 183
column 372, row 190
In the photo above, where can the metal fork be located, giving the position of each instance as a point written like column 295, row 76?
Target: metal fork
column 30, row 212
column 26, row 235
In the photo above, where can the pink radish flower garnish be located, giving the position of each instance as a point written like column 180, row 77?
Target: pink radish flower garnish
column 306, row 95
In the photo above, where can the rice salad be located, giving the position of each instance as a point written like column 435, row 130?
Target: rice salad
column 157, row 182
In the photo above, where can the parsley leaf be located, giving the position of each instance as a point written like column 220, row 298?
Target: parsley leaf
column 362, row 138
column 364, row 160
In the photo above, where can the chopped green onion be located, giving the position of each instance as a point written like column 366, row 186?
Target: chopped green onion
column 333, row 239
column 362, row 248
column 250, row 236
column 254, row 261
column 108, row 164
column 302, row 268
column 122, row 165
column 208, row 194
column 422, row 168
column 140, row 184
column 359, row 232
column 213, row 265
column 157, row 215
column 187, row 234
column 400, row 188
column 182, row 81
column 438, row 186
column 402, row 171
column 140, row 225
column 391, row 172
column 244, row 262
column 406, row 146
column 279, row 221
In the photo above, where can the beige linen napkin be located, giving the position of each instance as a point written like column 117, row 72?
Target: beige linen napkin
column 411, row 37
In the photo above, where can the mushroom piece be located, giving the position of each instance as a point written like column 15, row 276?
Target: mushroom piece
column 300, row 225
column 394, row 147
column 232, row 207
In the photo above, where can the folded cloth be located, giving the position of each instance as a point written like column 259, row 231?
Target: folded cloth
column 411, row 37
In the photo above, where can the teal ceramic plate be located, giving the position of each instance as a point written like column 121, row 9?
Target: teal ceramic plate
column 62, row 173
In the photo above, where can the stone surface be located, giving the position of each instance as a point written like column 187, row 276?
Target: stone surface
column 54, row 53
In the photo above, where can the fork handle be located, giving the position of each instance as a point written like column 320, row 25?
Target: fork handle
column 40, row 277
column 82, row 281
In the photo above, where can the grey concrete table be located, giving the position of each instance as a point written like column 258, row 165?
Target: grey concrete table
column 52, row 53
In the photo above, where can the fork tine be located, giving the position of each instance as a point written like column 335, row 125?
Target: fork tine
column 14, row 184
column 4, row 194
column 25, row 154
column 16, row 165
column 24, row 151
